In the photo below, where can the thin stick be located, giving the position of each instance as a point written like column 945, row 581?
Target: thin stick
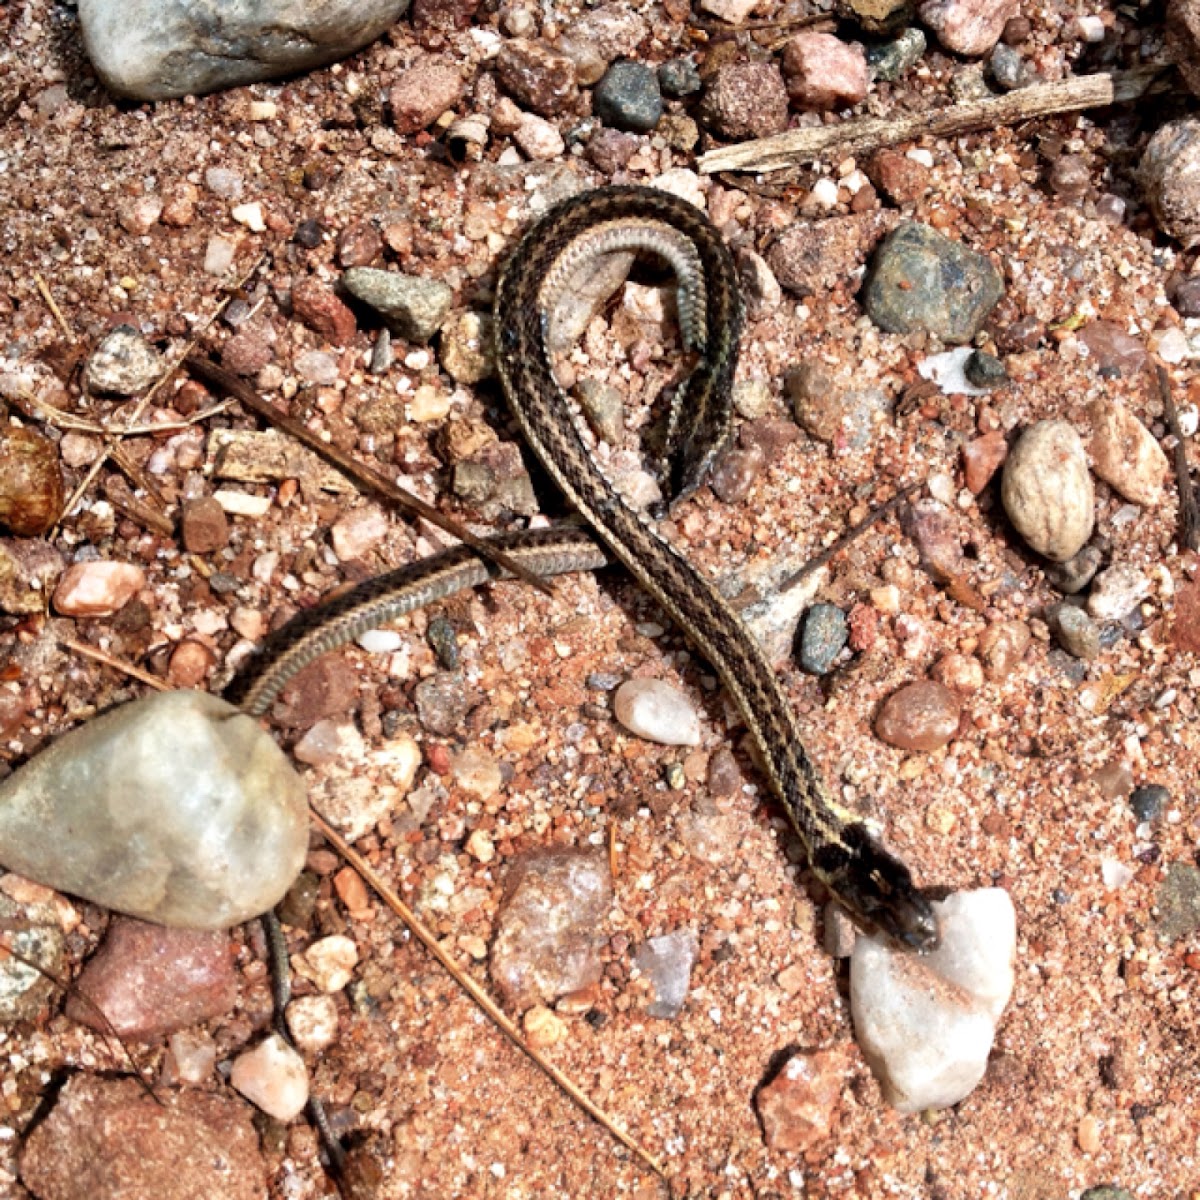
column 53, row 307
column 38, row 410
column 836, row 547
column 364, row 476
column 861, row 134
column 1189, row 508
column 117, row 664
column 485, row 1002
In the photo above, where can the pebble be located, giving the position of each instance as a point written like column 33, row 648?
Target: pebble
column 157, row 49
column 28, row 567
column 891, row 61
column 968, row 27
column 246, row 353
column 420, row 95
column 1149, row 802
column 1168, row 177
column 441, row 703
column 1002, row 646
column 920, row 716
column 959, row 672
column 190, row 663
column 477, row 772
column 982, row 458
column 219, row 255
column 203, row 526
column 1107, row 1192
column 1047, row 490
column 1126, row 455
column 1077, row 572
column 667, row 962
column 97, row 589
column 359, row 245
column 329, row 962
column 594, row 37
column 733, row 12
column 106, row 1137
column 357, row 533
column 547, row 941
column 798, row 1106
column 1178, row 902
column 250, row 215
column 603, row 406
column 823, row 72
column 734, row 472
column 658, row 712
column 315, row 304
column 537, row 76
column 32, row 929
column 538, row 139
column 1114, row 350
column 628, row 97
column 922, row 280
column 984, row 370
column 31, row 482
column 205, row 838
column 413, row 307
column 823, row 633
column 318, row 367
column 678, row 77
column 745, row 100
column 1008, row 68
column 1076, row 632
column 443, row 641
column 846, row 418
column 934, row 529
column 149, row 981
column 465, row 349
column 312, row 1022
column 272, row 1077
column 1116, row 592
column 1114, row 780
column 926, row 1023
column 949, row 371
column 191, row 1057
column 122, row 364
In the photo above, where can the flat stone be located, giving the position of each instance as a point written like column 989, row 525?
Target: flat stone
column 108, row 1138
column 667, row 962
column 926, row 1022
column 147, row 980
column 547, row 940
column 155, row 49
column 920, row 716
column 798, row 1106
column 97, row 589
column 204, row 837
column 413, row 307
column 1126, row 455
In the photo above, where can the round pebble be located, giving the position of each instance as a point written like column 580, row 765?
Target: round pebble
column 122, row 364
column 312, row 1022
column 1149, row 802
column 272, row 1077
column 920, row 716
column 1047, row 491
column 628, row 97
column 656, row 711
column 823, row 633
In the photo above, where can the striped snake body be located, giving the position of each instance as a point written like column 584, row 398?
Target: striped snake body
column 551, row 260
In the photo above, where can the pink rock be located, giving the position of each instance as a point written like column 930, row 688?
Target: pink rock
column 358, row 533
column 107, row 1137
column 823, row 72
column 423, row 92
column 317, row 306
column 969, row 27
column 920, row 716
column 798, row 1106
column 149, row 980
column 982, row 458
column 272, row 1076
column 97, row 589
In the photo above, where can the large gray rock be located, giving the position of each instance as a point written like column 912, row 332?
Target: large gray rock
column 155, row 49
column 177, row 809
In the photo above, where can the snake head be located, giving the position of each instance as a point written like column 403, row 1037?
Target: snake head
column 877, row 890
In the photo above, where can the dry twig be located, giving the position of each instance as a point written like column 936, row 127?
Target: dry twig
column 498, row 1017
column 117, row 664
column 53, row 307
column 1189, row 507
column 863, row 134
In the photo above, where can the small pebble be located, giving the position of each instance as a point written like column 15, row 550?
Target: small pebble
column 442, row 703
column 312, row 1022
column 920, row 716
column 678, row 77
column 1077, row 572
column 1126, row 455
column 97, row 589
column 982, row 458
column 543, row 1028
column 477, row 772
column 893, row 60
column 122, row 364
column 465, row 348
column 1112, row 348
column 329, row 962
column 745, row 100
column 31, row 482
column 1178, row 902
column 658, row 712
column 1116, row 592
column 798, row 1106
column 628, row 97
column 413, row 306
column 823, row 633
column 1002, row 646
column 204, row 526
column 272, row 1077
column 667, row 962
column 1076, row 632
column 1047, row 490
column 1008, row 68
column 358, row 532
column 985, row 370
column 443, row 640
column 1149, row 802
column 967, row 27
column 1167, row 174
column 823, row 72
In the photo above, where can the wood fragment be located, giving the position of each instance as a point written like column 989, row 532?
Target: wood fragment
column 1189, row 505
column 367, row 477
column 861, row 135
column 52, row 305
column 497, row 1016
column 117, row 492
column 117, row 664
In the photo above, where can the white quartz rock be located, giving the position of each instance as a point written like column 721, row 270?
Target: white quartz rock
column 176, row 808
column 926, row 1022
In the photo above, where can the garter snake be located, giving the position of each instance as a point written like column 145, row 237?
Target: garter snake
column 875, row 887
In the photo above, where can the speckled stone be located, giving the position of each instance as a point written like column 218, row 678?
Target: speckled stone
column 628, row 97
column 823, row 633
column 893, row 60
column 1178, row 902
column 413, row 306
column 921, row 280
column 33, row 932
column 1076, row 632
column 798, row 1106
column 1149, row 802
column 1047, row 490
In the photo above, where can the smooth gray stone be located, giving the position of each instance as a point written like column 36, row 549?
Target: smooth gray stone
column 156, row 49
column 177, row 808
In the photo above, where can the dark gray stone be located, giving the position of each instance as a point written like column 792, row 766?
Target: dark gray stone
column 824, row 632
column 628, row 97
